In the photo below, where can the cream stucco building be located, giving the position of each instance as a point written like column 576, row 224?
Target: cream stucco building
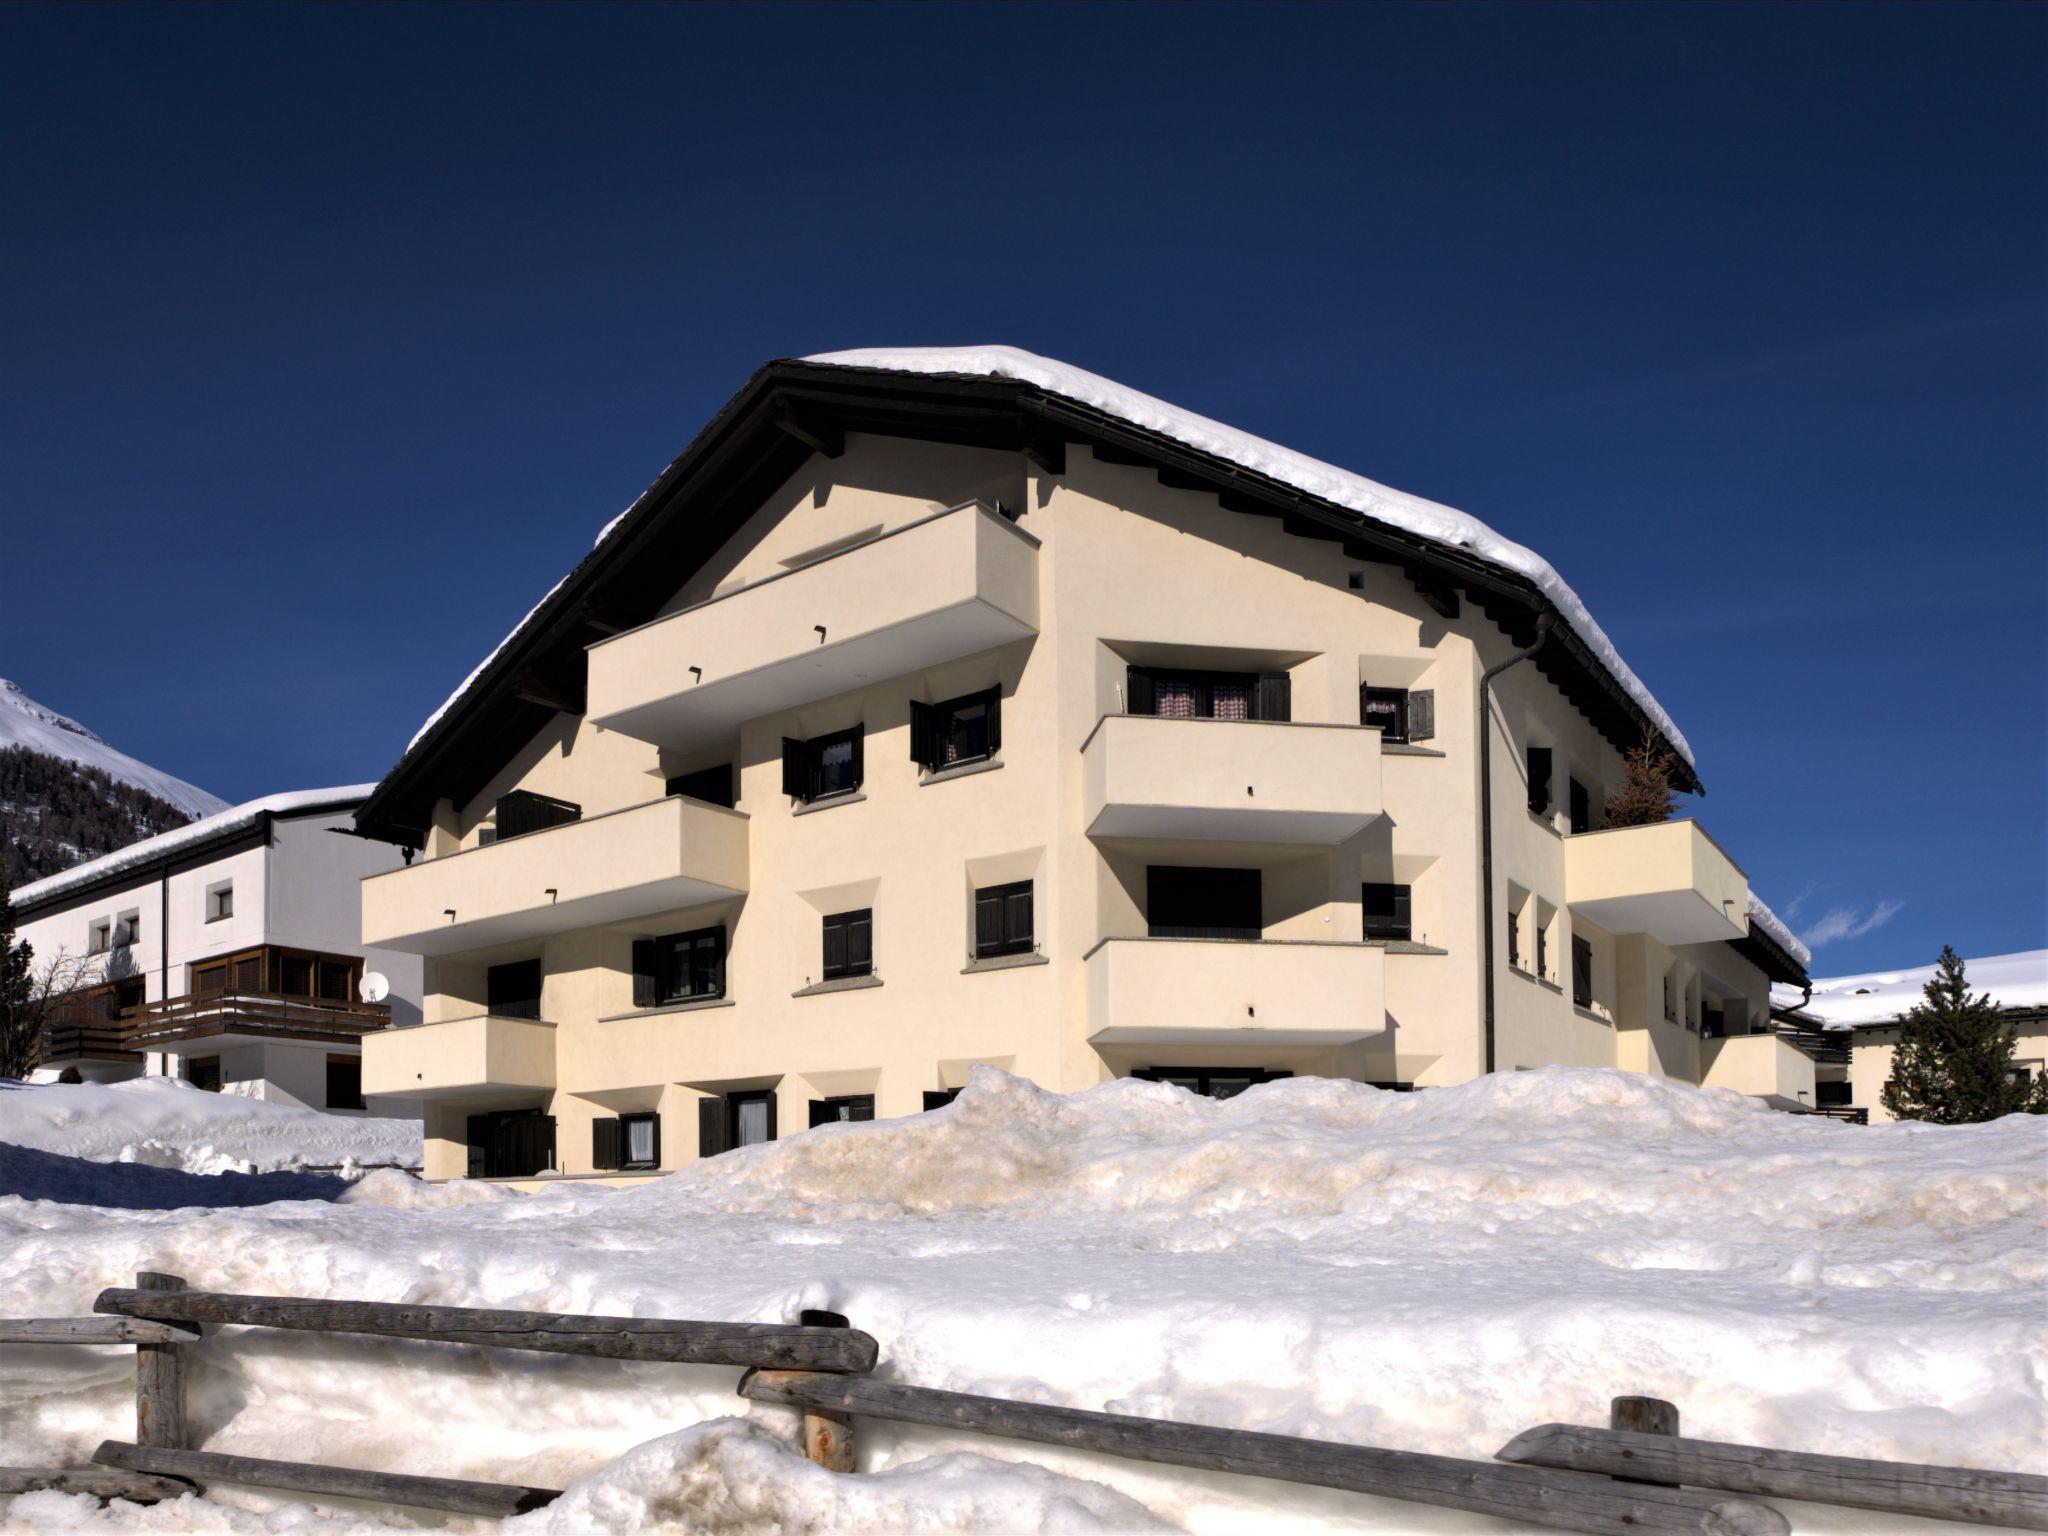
column 970, row 710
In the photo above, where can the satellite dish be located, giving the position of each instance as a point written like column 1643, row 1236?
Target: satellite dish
column 375, row 987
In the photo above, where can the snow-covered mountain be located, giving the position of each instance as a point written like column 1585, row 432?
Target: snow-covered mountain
column 25, row 723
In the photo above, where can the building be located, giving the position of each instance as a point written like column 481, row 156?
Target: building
column 225, row 952
column 1860, row 1014
column 936, row 709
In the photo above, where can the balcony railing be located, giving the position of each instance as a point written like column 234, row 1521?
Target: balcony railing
column 66, row 1042
column 273, row 1015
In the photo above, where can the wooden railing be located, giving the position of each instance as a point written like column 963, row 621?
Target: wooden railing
column 66, row 1041
column 1635, row 1477
column 261, row 1013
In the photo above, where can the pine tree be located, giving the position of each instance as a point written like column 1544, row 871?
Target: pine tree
column 21, row 1008
column 1953, row 1065
column 1645, row 798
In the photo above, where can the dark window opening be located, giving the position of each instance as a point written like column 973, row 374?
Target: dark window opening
column 968, row 729
column 1582, row 973
column 1002, row 920
column 1393, row 1087
column 203, row 1072
column 849, row 944
column 522, row 811
column 1179, row 694
column 1832, row 1095
column 846, row 1106
column 679, row 967
column 822, row 766
column 744, row 1119
column 1387, row 912
column 1539, row 780
column 345, row 1082
column 1713, row 1023
column 713, row 785
column 1210, row 1082
column 1386, row 708
column 513, row 991
column 510, row 1143
column 939, row 1098
column 1186, row 902
column 1581, row 807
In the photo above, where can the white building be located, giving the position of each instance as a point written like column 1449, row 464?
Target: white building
column 226, row 952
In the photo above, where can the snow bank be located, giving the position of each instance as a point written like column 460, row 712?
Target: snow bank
column 1436, row 1271
column 1877, row 997
column 166, row 1123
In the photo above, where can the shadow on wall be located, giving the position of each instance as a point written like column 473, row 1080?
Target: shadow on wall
column 37, row 1175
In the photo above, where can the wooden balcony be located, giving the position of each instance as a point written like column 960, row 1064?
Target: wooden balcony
column 213, row 1016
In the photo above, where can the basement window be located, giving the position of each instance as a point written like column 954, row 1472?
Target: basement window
column 626, row 1142
column 844, row 1107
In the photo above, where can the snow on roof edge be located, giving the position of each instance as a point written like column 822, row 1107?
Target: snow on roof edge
column 193, row 832
column 1874, row 998
column 1775, row 926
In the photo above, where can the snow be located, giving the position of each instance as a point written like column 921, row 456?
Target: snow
column 164, row 1122
column 1775, row 926
column 1434, row 1271
column 25, row 723
column 163, row 844
column 1398, row 509
column 1878, row 997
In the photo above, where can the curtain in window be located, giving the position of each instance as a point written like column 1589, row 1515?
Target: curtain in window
column 1174, row 698
column 751, row 1122
column 639, row 1141
column 1230, row 701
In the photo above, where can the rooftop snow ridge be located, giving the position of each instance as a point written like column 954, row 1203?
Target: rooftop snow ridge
column 2017, row 980
column 1780, row 933
column 232, row 819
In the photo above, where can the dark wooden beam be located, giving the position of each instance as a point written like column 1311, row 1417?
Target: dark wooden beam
column 1433, row 588
column 812, row 432
column 535, row 689
column 1047, row 450
column 496, row 1500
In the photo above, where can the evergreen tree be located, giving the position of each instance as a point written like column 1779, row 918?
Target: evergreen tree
column 21, row 1007
column 1953, row 1065
column 1645, row 797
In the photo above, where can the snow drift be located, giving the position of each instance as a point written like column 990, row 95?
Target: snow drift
column 1434, row 1271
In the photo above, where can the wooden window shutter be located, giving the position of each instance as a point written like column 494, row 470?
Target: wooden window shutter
column 770, row 1102
column 714, row 1130
column 605, row 1144
column 835, row 947
column 823, row 1113
column 924, row 735
column 644, row 991
column 1017, row 917
column 1539, row 779
column 1138, row 698
column 1404, row 908
column 859, row 734
column 860, row 943
column 1276, row 696
column 995, row 721
column 1421, row 714
column 795, row 774
column 988, row 921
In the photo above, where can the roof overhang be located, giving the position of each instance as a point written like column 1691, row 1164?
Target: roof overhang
column 1769, row 956
column 790, row 410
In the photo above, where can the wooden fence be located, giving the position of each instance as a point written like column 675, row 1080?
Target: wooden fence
column 1637, row 1477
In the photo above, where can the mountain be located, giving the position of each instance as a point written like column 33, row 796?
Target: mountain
column 66, row 796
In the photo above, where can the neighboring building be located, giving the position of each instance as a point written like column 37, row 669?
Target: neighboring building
column 225, row 952
column 968, row 708
column 1863, row 1012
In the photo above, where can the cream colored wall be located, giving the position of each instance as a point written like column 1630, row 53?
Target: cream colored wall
column 1870, row 1063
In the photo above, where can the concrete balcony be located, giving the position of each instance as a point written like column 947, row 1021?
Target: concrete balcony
column 946, row 586
column 604, row 869
column 1247, row 781
column 463, row 1058
column 1767, row 1067
column 1670, row 881
column 1234, row 992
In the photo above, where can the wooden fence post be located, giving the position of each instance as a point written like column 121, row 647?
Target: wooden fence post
column 1645, row 1416
column 828, row 1436
column 160, row 1379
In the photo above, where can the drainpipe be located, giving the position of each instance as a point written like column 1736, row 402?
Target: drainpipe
column 1783, row 1015
column 1486, row 678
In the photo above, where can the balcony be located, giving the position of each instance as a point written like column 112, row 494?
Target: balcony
column 461, row 1058
column 1234, row 992
column 1670, row 881
column 1765, row 1066
column 604, row 869
column 1234, row 780
column 242, row 1018
column 946, row 586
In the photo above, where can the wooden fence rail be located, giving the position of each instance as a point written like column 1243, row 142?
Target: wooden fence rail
column 496, row 1500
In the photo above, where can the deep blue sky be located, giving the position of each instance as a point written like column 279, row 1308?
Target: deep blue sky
column 332, row 336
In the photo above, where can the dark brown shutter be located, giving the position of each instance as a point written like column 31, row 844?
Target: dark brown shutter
column 1276, row 697
column 654, row 1123
column 1017, row 917
column 924, row 735
column 1138, row 698
column 643, row 973
column 939, row 1098
column 769, row 1100
column 822, row 1113
column 988, row 921
column 795, row 779
column 859, row 732
column 605, row 1144
column 995, row 721
column 1539, row 779
column 860, row 944
column 714, row 1131
column 835, row 947
column 1421, row 714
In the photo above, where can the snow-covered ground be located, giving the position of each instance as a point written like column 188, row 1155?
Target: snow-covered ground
column 1436, row 1271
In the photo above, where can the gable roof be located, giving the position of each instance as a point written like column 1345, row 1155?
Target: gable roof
column 993, row 397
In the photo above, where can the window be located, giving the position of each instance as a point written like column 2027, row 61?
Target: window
column 735, row 1120
column 345, row 1082
column 1582, row 972
column 822, row 766
column 101, row 937
column 1210, row 1082
column 1542, row 949
column 1386, row 912
column 963, row 730
column 294, row 976
column 1402, row 714
column 127, row 930
column 847, row 1106
column 679, row 967
column 1833, row 1095
column 1002, row 920
column 1515, row 939
column 1713, row 1024
column 522, row 811
column 626, row 1142
column 510, row 1143
column 713, row 785
column 1177, row 694
column 939, row 1098
column 203, row 1072
column 220, row 901
column 1539, row 781
column 513, row 991
column 1183, row 902
column 850, row 944
column 1581, row 807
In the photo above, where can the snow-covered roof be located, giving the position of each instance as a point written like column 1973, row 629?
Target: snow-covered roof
column 25, row 723
column 1780, row 934
column 194, row 834
column 1878, row 997
column 1412, row 514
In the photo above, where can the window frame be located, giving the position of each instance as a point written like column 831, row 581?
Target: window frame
column 655, row 969
column 1397, row 697
column 803, row 764
column 1007, row 941
column 1269, row 696
column 628, row 1163
column 99, row 936
column 220, row 901
column 931, row 729
column 848, row 923
column 128, row 930
column 1398, row 926
column 838, row 1101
